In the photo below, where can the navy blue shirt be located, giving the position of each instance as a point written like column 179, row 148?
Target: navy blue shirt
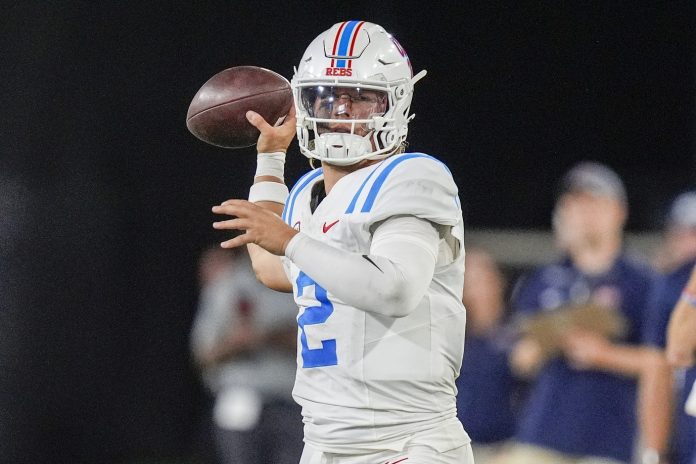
column 591, row 412
column 486, row 388
column 667, row 292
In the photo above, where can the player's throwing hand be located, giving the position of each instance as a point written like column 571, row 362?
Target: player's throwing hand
column 273, row 138
column 261, row 226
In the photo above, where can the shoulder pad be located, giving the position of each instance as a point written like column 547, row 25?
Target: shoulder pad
column 413, row 184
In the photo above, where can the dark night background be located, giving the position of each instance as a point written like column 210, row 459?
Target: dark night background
column 105, row 197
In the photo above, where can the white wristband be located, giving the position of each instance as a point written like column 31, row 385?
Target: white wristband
column 649, row 456
column 690, row 406
column 270, row 164
column 268, row 191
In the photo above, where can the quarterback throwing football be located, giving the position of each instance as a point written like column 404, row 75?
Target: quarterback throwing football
column 371, row 245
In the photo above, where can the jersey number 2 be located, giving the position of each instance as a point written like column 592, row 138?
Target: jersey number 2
column 312, row 315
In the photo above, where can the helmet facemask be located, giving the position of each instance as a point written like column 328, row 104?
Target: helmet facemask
column 347, row 122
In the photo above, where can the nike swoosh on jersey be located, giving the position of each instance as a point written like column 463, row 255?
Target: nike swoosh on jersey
column 325, row 228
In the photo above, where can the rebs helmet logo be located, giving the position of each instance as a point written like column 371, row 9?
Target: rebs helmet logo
column 339, row 72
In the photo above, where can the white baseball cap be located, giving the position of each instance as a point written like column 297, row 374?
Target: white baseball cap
column 682, row 212
column 595, row 178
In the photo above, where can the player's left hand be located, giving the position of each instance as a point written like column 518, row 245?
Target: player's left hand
column 583, row 348
column 261, row 226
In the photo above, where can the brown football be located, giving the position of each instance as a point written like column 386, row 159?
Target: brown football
column 217, row 113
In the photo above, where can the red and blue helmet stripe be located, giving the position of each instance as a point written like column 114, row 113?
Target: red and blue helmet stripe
column 344, row 44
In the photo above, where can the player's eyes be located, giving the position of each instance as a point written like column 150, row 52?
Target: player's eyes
column 342, row 96
column 325, row 98
column 354, row 98
column 367, row 98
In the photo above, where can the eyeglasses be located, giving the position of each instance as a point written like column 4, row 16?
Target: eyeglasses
column 322, row 100
column 353, row 97
column 327, row 95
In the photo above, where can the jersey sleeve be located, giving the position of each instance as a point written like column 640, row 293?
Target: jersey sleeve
column 414, row 184
column 392, row 279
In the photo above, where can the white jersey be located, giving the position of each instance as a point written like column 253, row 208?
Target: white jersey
column 367, row 381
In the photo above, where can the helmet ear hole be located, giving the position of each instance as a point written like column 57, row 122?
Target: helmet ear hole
column 400, row 92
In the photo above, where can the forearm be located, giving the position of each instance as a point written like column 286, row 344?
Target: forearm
column 681, row 330
column 267, row 267
column 655, row 401
column 277, row 208
column 268, row 192
column 392, row 278
column 624, row 360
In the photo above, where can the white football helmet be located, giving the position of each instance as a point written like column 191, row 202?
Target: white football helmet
column 353, row 91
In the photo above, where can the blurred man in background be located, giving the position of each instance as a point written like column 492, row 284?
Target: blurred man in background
column 582, row 405
column 243, row 339
column 680, row 251
column 487, row 390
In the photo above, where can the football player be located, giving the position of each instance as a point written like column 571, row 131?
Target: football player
column 371, row 245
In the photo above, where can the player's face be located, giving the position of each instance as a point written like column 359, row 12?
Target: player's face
column 586, row 218
column 344, row 103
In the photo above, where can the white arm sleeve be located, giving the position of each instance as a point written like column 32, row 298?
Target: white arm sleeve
column 390, row 281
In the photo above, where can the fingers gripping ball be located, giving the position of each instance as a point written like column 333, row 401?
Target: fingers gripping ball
column 217, row 113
